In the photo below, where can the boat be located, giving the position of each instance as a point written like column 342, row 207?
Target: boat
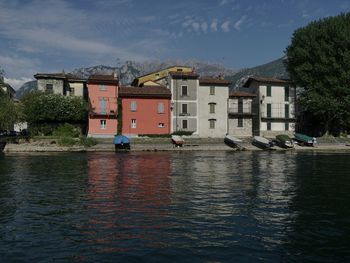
column 284, row 141
column 262, row 143
column 177, row 140
column 233, row 142
column 121, row 142
column 304, row 139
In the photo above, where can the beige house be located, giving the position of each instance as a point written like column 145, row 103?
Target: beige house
column 61, row 83
column 184, row 90
column 240, row 115
column 274, row 105
column 212, row 104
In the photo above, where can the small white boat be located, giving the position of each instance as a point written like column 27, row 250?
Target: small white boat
column 177, row 140
column 262, row 143
column 233, row 142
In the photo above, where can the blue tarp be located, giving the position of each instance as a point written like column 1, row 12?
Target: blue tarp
column 121, row 139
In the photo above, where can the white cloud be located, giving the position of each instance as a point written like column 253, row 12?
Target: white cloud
column 195, row 26
column 17, row 83
column 226, row 26
column 214, row 25
column 14, row 65
column 239, row 23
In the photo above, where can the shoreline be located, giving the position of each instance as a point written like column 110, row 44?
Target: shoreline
column 166, row 147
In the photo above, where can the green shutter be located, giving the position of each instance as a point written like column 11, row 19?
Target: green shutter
column 286, row 93
column 268, row 111
column 286, row 110
column 268, row 91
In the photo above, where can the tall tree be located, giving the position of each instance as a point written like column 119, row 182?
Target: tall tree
column 8, row 112
column 318, row 59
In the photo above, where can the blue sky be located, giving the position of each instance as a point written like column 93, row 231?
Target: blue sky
column 51, row 35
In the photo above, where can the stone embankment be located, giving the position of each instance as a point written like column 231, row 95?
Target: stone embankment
column 158, row 144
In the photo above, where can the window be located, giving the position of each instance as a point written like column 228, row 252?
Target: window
column 72, row 91
column 240, row 122
column 161, row 125
column 160, row 107
column 133, row 106
column 240, row 105
column 268, row 91
column 103, row 87
column 286, row 93
column 133, row 123
column 179, row 69
column 49, row 88
column 212, row 123
column 184, row 124
column 184, row 109
column 212, row 107
column 103, row 124
column 268, row 110
column 286, row 126
column 212, row 90
column 268, row 126
column 286, row 110
column 184, row 91
column 103, row 105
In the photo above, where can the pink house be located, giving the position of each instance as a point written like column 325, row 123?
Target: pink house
column 146, row 110
column 103, row 95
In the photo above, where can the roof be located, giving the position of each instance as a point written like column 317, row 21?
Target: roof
column 145, row 91
column 179, row 74
column 241, row 94
column 214, row 81
column 267, row 80
column 103, row 79
column 61, row 75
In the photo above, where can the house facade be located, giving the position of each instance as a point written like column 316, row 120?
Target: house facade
column 146, row 110
column 240, row 115
column 103, row 99
column 274, row 105
column 61, row 83
column 184, row 103
column 213, row 97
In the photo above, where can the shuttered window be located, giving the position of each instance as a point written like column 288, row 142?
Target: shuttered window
column 286, row 110
column 286, row 93
column 133, row 106
column 268, row 91
column 268, row 110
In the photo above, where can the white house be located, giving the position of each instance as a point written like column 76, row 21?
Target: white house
column 274, row 105
column 213, row 97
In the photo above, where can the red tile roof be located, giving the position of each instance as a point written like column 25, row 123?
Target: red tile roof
column 145, row 91
column 267, row 80
column 104, row 79
column 180, row 74
column 214, row 81
column 241, row 94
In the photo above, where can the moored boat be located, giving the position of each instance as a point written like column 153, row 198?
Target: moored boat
column 284, row 141
column 304, row 139
column 121, row 142
column 262, row 143
column 233, row 142
column 177, row 140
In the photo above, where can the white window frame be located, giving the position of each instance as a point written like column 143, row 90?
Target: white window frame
column 161, row 125
column 133, row 123
column 103, row 124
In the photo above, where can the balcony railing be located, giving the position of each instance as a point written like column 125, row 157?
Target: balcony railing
column 102, row 111
column 235, row 109
column 277, row 111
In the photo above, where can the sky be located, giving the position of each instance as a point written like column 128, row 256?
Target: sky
column 55, row 35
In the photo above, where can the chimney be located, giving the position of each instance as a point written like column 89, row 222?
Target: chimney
column 115, row 75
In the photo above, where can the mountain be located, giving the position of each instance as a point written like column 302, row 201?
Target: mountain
column 26, row 87
column 129, row 70
column 276, row 69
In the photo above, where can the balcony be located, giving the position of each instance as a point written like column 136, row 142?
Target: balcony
column 240, row 110
column 277, row 112
column 103, row 112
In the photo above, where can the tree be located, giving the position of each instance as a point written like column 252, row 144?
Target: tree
column 318, row 59
column 8, row 112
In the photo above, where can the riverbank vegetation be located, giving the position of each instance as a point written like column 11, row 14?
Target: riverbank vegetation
column 318, row 59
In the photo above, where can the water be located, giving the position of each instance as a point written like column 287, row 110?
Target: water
column 186, row 207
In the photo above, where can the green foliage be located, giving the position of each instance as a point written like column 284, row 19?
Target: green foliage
column 120, row 117
column 66, row 141
column 41, row 107
column 66, row 130
column 42, row 129
column 9, row 113
column 87, row 141
column 181, row 133
column 318, row 59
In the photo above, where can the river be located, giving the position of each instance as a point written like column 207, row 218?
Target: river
column 175, row 206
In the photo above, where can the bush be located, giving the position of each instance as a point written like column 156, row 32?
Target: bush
column 66, row 141
column 67, row 130
column 44, row 129
column 87, row 141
